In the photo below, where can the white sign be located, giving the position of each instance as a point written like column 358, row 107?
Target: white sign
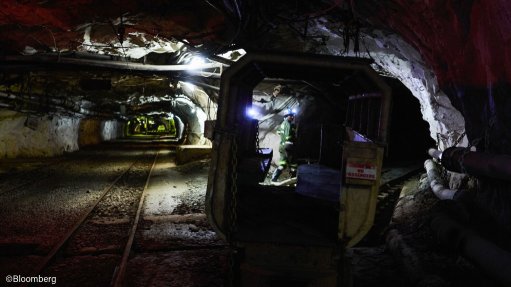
column 361, row 170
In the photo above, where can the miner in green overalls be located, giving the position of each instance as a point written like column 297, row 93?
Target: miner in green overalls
column 287, row 132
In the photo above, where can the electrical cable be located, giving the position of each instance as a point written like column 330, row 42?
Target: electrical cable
column 53, row 37
column 313, row 15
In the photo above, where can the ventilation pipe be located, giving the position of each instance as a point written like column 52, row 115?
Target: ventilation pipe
column 448, row 223
column 106, row 64
column 488, row 257
column 436, row 182
column 463, row 160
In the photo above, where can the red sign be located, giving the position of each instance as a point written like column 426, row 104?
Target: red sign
column 361, row 170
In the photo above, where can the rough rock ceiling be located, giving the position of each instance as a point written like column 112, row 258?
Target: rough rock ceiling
column 155, row 32
column 456, row 38
column 463, row 42
column 91, row 25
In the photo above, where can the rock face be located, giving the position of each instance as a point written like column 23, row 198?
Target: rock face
column 394, row 56
column 45, row 136
column 31, row 136
column 465, row 49
column 403, row 62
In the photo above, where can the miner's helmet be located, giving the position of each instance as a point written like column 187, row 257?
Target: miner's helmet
column 290, row 112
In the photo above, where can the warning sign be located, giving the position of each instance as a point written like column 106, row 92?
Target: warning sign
column 364, row 170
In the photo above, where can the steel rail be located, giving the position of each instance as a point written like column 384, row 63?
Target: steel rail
column 57, row 247
column 120, row 270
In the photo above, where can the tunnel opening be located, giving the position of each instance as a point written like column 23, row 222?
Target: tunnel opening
column 162, row 125
column 409, row 137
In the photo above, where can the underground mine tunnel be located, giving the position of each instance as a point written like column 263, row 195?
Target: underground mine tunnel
column 254, row 143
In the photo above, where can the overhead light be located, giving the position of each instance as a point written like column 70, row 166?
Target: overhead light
column 197, row 62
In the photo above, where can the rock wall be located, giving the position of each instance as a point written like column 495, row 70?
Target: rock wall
column 36, row 136
column 46, row 136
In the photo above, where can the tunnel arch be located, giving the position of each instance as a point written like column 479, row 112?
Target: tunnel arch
column 397, row 58
column 190, row 115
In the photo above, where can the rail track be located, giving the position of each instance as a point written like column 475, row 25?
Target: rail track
column 86, row 227
column 41, row 233
column 120, row 271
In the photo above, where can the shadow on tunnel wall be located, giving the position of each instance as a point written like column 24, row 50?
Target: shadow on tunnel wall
column 409, row 137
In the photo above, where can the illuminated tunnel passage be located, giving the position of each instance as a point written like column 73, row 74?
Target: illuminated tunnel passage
column 160, row 125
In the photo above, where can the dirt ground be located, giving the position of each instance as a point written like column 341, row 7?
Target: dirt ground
column 174, row 244
column 411, row 255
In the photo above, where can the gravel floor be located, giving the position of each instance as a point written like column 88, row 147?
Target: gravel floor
column 42, row 211
column 191, row 268
column 174, row 244
column 51, row 199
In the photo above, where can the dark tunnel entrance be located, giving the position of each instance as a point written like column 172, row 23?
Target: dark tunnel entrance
column 409, row 137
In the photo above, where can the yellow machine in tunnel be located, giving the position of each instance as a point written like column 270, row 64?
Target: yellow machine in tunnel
column 289, row 236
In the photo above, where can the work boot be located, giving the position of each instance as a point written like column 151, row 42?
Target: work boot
column 276, row 175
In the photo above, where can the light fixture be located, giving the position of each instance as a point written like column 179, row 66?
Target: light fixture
column 197, row 62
